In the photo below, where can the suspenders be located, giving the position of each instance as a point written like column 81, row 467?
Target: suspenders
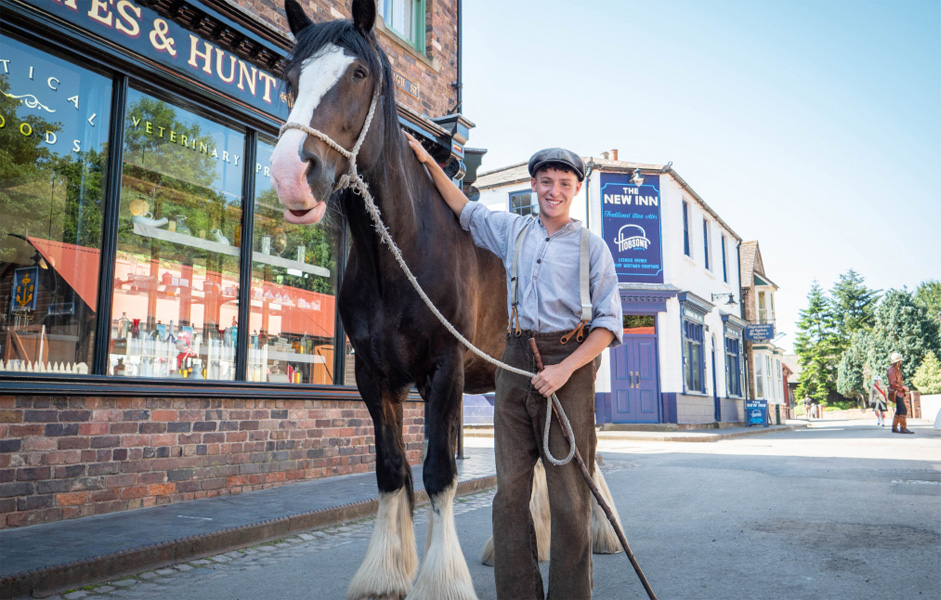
column 584, row 292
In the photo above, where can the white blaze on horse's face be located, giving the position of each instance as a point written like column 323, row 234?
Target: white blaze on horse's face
column 288, row 169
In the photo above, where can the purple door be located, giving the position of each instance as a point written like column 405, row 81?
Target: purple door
column 635, row 386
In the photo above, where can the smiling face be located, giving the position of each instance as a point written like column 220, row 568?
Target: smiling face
column 555, row 190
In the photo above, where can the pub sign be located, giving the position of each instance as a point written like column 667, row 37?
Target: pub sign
column 630, row 225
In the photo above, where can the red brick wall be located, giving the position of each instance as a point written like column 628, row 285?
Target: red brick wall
column 62, row 458
column 434, row 76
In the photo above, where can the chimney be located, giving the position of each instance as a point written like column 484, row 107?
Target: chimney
column 604, row 155
column 614, row 154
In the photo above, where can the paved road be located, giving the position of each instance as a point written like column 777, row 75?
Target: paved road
column 838, row 510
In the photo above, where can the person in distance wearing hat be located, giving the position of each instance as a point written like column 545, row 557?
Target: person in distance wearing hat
column 898, row 390
column 549, row 310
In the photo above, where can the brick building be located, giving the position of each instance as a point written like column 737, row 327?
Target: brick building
column 765, row 373
column 164, row 335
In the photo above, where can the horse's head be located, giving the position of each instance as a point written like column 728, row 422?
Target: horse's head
column 333, row 73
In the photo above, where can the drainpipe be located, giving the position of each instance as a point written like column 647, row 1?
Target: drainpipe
column 459, row 84
column 741, row 314
column 591, row 165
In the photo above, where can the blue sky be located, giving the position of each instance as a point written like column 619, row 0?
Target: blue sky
column 813, row 127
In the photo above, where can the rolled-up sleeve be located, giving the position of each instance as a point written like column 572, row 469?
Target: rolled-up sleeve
column 489, row 229
column 605, row 299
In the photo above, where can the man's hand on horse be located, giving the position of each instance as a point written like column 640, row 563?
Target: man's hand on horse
column 551, row 379
column 420, row 153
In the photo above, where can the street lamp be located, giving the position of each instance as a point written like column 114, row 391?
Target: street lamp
column 729, row 294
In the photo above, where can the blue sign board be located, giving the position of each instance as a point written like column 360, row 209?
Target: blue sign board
column 630, row 225
column 24, row 289
column 144, row 32
column 756, row 412
column 759, row 333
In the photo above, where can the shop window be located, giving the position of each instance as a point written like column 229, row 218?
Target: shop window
column 705, row 242
column 693, row 361
column 524, row 203
column 293, row 290
column 733, row 367
column 176, row 274
column 759, row 376
column 686, row 228
column 407, row 19
column 53, row 145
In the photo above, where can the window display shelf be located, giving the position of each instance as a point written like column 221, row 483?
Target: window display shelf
column 211, row 246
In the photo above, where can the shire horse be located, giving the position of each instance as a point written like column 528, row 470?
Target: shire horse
column 334, row 71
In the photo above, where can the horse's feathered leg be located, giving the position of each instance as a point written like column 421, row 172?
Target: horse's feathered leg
column 444, row 574
column 391, row 560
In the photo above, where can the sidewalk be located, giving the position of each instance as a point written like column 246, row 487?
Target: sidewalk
column 42, row 559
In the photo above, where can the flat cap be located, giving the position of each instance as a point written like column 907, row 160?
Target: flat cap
column 557, row 155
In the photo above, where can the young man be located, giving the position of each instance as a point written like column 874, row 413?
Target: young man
column 898, row 390
column 549, row 310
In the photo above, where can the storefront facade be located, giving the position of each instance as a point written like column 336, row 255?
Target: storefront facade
column 678, row 270
column 766, row 378
column 164, row 334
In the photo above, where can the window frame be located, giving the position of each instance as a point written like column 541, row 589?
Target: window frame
column 532, row 205
column 705, row 242
column 415, row 38
column 686, row 240
column 725, row 267
column 124, row 71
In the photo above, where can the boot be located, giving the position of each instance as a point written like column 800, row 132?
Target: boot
column 904, row 423
column 895, row 424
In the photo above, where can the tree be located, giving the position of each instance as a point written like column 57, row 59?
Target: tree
column 816, row 347
column 853, row 372
column 928, row 295
column 902, row 326
column 927, row 378
column 853, row 307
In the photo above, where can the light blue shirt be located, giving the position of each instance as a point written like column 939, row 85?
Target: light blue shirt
column 548, row 297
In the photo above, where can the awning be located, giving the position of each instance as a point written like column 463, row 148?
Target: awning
column 78, row 265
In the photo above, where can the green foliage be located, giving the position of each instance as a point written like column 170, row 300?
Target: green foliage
column 852, row 307
column 928, row 295
column 905, row 327
column 852, row 372
column 927, row 378
column 43, row 194
column 817, row 346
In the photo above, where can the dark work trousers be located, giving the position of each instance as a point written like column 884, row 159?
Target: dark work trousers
column 519, row 421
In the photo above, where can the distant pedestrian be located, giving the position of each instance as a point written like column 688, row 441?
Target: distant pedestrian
column 899, row 389
column 878, row 400
column 808, row 407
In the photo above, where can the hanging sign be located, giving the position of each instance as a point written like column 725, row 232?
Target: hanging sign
column 630, row 225
column 760, row 332
column 144, row 32
column 24, row 289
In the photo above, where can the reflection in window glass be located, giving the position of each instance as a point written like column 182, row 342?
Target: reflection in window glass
column 293, row 294
column 53, row 138
column 177, row 267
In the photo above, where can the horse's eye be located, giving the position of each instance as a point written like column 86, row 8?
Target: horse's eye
column 359, row 73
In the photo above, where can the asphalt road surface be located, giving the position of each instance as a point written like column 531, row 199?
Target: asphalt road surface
column 838, row 510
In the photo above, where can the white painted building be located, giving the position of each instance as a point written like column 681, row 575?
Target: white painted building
column 678, row 266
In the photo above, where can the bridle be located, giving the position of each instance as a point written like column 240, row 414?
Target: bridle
column 351, row 178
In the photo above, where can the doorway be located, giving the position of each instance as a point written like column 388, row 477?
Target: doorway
column 635, row 373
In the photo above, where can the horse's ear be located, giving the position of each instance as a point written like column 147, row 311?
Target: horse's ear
column 297, row 18
column 364, row 15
